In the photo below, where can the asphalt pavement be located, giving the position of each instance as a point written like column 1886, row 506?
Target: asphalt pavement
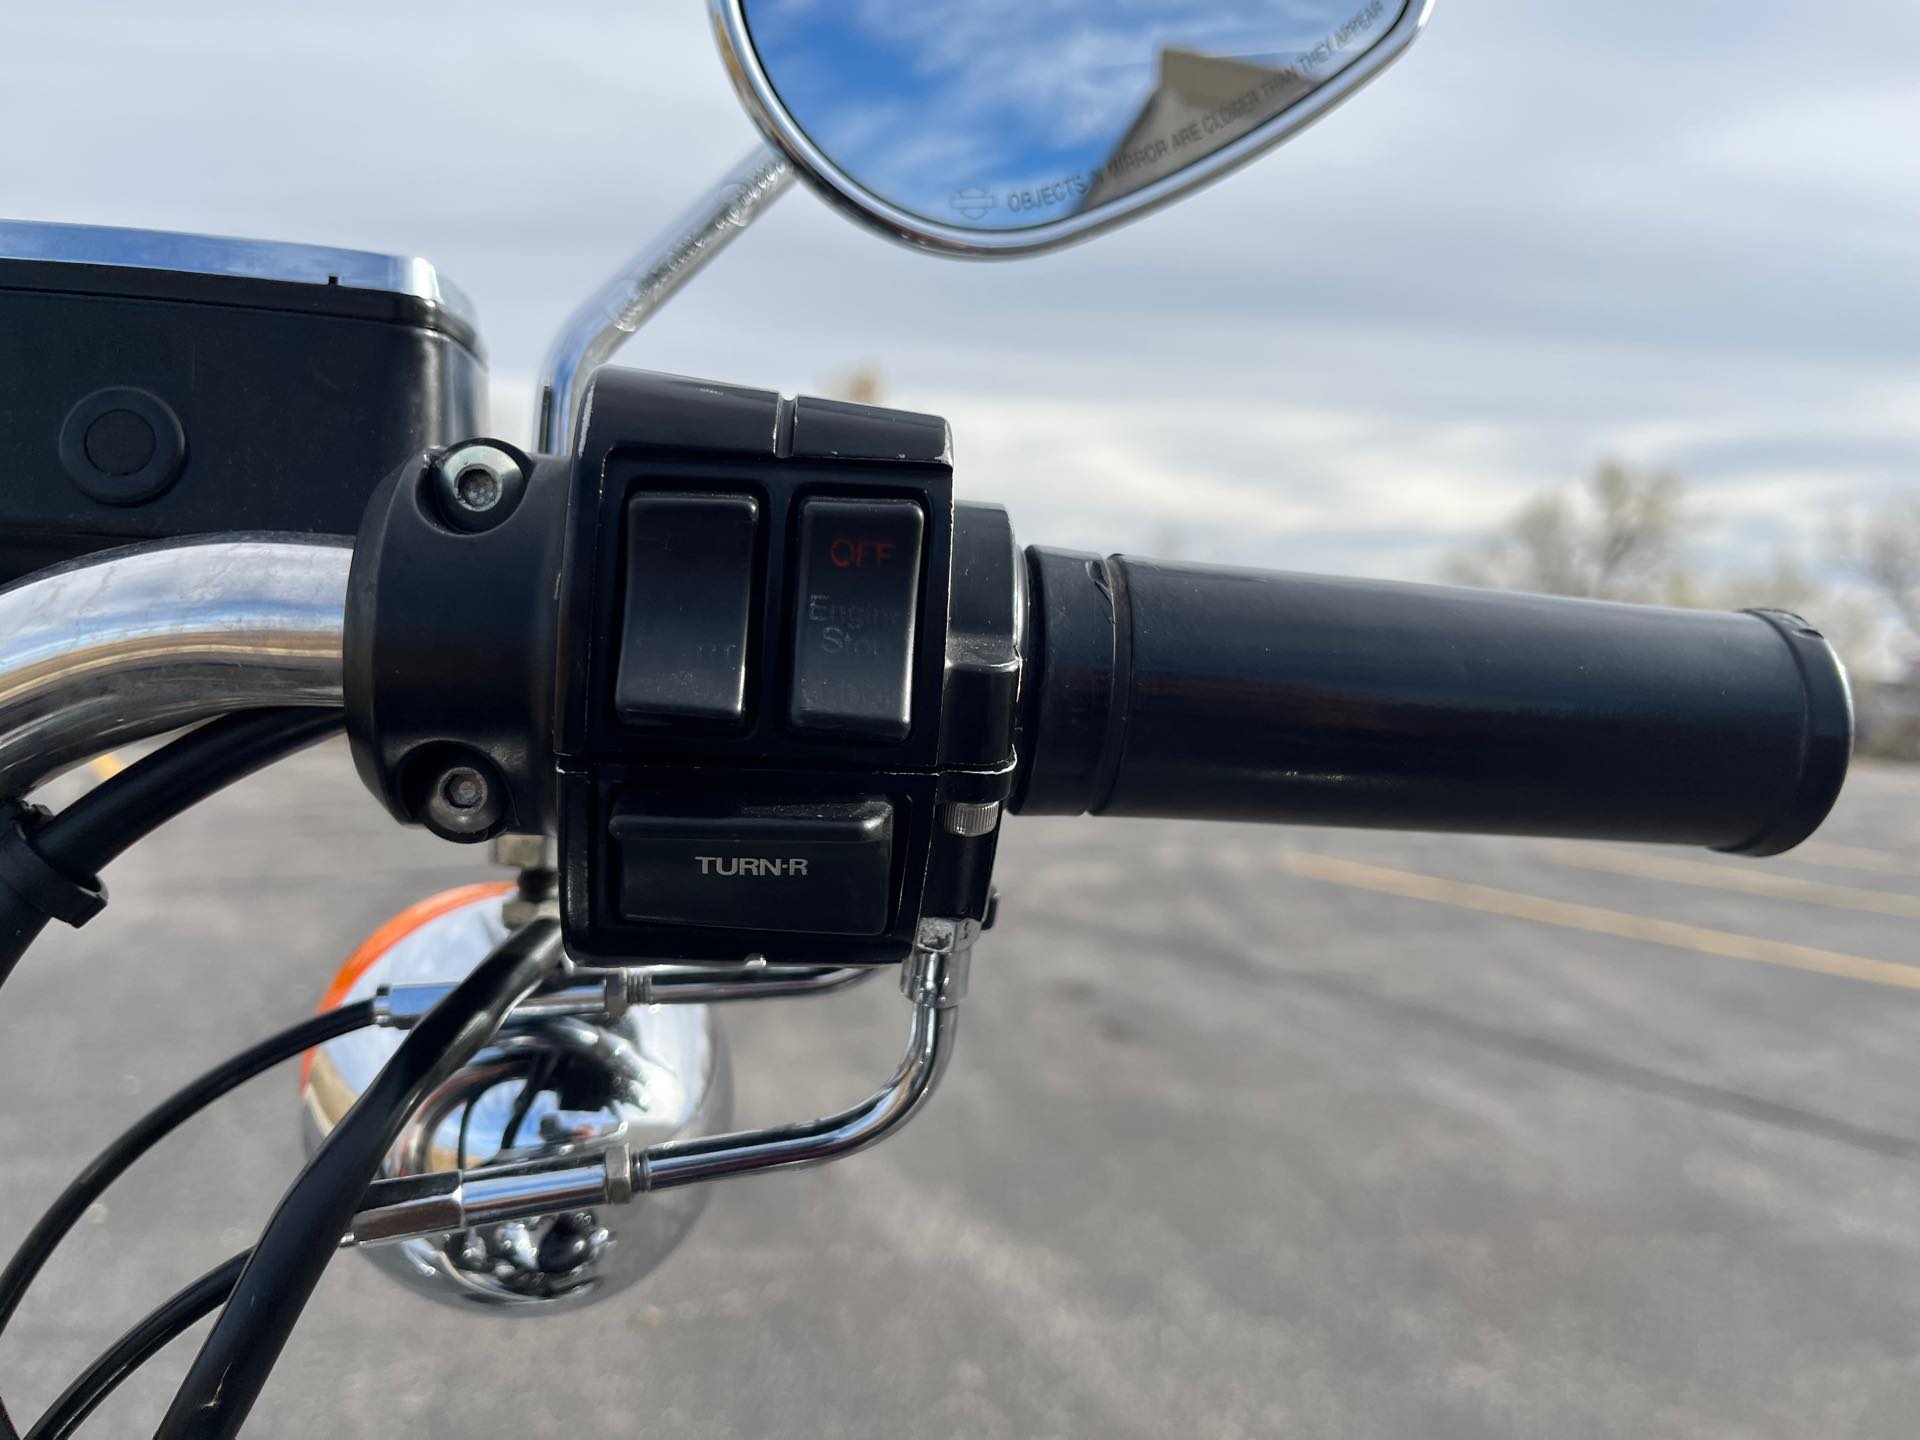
column 1249, row 1133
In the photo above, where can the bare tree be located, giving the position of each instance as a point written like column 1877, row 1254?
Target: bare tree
column 1622, row 537
column 1882, row 547
column 1618, row 537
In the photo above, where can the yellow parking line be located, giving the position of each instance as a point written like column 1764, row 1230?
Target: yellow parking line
column 1708, row 875
column 106, row 766
column 1490, row 901
column 1855, row 857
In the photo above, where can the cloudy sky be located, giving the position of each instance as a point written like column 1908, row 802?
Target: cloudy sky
column 1688, row 235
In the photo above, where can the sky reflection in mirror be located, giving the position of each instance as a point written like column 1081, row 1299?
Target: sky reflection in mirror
column 1009, row 114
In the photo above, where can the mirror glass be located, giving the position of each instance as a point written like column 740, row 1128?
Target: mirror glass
column 1002, row 115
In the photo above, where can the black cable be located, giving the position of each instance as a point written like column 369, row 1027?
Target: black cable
column 100, row 825
column 292, row 1253
column 146, row 1132
column 136, row 1347
column 466, row 1123
column 104, row 822
column 152, row 1335
column 544, row 1069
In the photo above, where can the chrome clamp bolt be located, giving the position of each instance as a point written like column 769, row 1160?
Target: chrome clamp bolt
column 463, row 802
column 478, row 485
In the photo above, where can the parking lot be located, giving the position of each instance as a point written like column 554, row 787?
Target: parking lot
column 1250, row 1132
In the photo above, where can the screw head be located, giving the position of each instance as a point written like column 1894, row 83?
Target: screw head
column 478, row 488
column 463, row 787
column 464, row 802
column 477, row 485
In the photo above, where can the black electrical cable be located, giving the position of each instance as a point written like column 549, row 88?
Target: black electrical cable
column 103, row 823
column 293, row 1250
column 152, row 1335
column 99, row 827
column 136, row 1347
column 146, row 1132
column 531, row 1088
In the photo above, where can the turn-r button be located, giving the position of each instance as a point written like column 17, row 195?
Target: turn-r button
column 853, row 628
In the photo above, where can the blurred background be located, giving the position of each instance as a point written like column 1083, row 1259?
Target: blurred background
column 1252, row 1132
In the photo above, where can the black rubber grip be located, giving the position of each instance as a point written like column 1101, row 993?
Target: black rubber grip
column 1162, row 689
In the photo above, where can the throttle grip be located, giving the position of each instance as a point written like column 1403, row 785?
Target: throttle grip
column 1161, row 689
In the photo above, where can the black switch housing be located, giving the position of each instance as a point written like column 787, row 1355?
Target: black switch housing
column 563, row 608
column 810, row 738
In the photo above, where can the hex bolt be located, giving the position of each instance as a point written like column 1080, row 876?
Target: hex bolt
column 478, row 488
column 463, row 802
column 477, row 485
column 463, row 787
column 537, row 859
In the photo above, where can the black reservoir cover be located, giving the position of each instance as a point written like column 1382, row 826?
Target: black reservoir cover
column 154, row 385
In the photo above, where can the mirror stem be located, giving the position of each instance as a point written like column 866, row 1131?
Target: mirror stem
column 628, row 299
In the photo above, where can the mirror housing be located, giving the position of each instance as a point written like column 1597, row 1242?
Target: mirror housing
column 935, row 124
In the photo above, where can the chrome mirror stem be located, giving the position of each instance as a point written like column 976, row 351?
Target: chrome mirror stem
column 628, row 299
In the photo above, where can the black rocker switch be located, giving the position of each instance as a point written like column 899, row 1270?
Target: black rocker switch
column 854, row 615
column 823, row 869
column 683, row 640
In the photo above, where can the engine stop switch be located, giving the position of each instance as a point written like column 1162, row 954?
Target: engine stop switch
column 854, row 618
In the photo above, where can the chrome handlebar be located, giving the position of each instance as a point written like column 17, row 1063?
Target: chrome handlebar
column 131, row 643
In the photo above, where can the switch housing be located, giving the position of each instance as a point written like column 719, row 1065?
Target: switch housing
column 605, row 705
column 879, row 480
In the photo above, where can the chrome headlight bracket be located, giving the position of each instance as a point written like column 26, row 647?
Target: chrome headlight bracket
column 433, row 1207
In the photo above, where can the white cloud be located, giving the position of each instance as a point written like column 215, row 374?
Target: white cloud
column 1551, row 232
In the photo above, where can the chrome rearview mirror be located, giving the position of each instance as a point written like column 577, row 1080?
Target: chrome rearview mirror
column 987, row 127
column 996, row 127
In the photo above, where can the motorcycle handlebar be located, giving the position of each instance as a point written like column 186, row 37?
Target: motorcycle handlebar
column 1159, row 689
